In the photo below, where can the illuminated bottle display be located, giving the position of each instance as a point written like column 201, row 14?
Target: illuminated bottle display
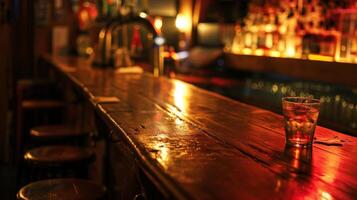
column 308, row 29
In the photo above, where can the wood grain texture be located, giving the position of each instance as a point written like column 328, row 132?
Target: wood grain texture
column 199, row 145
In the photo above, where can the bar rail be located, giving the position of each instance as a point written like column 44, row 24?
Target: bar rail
column 313, row 70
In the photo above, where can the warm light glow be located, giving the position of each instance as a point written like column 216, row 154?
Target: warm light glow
column 158, row 23
column 181, row 55
column 269, row 28
column 287, row 27
column 161, row 152
column 284, row 90
column 89, row 50
column 320, row 57
column 143, row 15
column 179, row 121
column 259, row 52
column 182, row 22
column 166, row 54
column 275, row 88
column 248, row 40
column 247, row 51
column 274, row 53
column 269, row 40
column 278, row 185
column 290, row 51
column 159, row 41
column 296, row 153
column 337, row 98
column 325, row 196
column 172, row 75
column 290, row 47
column 331, row 167
column 102, row 34
column 236, row 48
column 180, row 95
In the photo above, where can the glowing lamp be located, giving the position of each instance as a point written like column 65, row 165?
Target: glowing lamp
column 143, row 15
column 290, row 52
column 182, row 23
column 158, row 23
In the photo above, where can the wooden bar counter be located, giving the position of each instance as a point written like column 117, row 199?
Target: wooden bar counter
column 195, row 144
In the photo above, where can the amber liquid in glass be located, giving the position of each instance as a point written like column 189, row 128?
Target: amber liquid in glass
column 300, row 122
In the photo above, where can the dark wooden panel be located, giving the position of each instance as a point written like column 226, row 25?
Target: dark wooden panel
column 329, row 72
column 5, row 78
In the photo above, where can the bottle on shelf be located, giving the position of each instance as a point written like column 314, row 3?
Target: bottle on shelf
column 299, row 29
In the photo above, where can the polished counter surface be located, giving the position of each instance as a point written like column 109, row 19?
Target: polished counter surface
column 195, row 144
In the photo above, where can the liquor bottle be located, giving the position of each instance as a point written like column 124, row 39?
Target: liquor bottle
column 105, row 8
column 253, row 30
column 248, row 35
column 136, row 45
column 276, row 35
column 238, row 40
column 260, row 23
column 329, row 42
column 269, row 32
column 291, row 39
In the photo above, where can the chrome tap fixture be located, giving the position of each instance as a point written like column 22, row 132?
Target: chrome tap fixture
column 118, row 27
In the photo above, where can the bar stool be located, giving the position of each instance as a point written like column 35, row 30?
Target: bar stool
column 32, row 96
column 57, row 161
column 57, row 134
column 56, row 189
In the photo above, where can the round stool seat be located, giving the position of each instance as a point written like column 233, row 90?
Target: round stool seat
column 58, row 154
column 41, row 104
column 55, row 131
column 60, row 189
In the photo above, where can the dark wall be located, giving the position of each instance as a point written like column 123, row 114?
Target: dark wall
column 224, row 11
column 23, row 52
column 5, row 66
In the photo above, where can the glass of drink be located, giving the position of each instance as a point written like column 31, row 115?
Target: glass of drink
column 300, row 117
